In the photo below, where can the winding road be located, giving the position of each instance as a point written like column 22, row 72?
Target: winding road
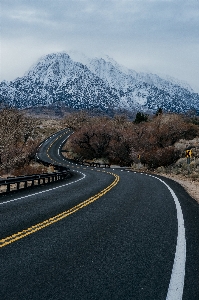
column 101, row 234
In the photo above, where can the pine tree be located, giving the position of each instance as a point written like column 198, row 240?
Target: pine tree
column 140, row 117
column 159, row 111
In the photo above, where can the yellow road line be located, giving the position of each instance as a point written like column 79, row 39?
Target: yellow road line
column 19, row 235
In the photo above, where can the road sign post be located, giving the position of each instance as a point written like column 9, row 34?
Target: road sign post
column 188, row 156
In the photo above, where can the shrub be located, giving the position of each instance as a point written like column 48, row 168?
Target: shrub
column 160, row 157
column 17, row 140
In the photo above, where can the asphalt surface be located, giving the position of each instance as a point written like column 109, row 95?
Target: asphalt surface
column 121, row 245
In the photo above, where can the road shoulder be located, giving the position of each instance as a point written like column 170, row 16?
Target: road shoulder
column 192, row 187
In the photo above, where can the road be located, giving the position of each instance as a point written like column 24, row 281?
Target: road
column 101, row 234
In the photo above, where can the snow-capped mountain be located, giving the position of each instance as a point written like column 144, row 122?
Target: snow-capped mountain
column 79, row 82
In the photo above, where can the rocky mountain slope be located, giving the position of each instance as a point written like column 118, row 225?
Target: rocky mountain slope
column 99, row 83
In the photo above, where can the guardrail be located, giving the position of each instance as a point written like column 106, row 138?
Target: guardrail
column 31, row 180
column 93, row 164
column 16, row 183
column 19, row 182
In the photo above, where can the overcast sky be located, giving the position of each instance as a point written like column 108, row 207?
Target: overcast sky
column 157, row 36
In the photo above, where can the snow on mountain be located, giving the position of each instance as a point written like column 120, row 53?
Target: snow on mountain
column 133, row 84
column 77, row 81
column 56, row 78
column 176, row 81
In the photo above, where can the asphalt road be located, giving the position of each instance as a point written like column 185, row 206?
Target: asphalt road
column 101, row 234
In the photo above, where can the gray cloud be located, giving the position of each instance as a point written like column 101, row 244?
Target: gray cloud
column 156, row 35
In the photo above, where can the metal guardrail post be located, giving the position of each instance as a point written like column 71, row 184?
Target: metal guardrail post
column 18, row 185
column 8, row 187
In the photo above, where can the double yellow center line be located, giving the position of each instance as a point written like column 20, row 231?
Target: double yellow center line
column 48, row 222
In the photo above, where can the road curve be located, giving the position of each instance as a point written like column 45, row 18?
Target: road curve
column 102, row 234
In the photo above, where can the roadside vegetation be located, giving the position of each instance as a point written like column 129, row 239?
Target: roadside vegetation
column 20, row 136
column 152, row 143
column 149, row 140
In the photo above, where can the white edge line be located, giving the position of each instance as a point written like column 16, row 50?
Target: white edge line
column 48, row 190
column 176, row 285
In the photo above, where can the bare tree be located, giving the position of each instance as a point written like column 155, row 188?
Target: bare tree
column 16, row 138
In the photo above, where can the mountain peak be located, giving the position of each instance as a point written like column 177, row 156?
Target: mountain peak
column 95, row 83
